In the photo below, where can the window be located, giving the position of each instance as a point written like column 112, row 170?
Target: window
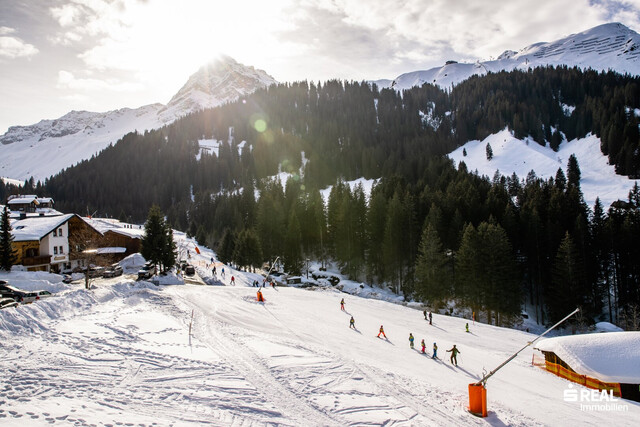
column 55, row 233
column 55, row 250
column 61, row 250
column 60, row 232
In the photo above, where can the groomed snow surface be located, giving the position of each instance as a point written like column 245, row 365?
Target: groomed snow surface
column 121, row 354
column 598, row 178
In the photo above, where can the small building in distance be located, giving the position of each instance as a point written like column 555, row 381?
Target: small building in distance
column 29, row 203
column 118, row 234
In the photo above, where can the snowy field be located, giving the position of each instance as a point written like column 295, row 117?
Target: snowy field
column 598, row 178
column 121, row 354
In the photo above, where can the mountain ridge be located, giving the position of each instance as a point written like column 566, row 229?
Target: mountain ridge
column 611, row 46
column 78, row 135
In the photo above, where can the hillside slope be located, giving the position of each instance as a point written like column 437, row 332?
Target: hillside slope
column 511, row 155
column 610, row 46
column 121, row 353
column 47, row 147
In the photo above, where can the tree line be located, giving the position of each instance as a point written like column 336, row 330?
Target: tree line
column 329, row 133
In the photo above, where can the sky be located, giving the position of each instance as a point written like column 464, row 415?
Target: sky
column 99, row 55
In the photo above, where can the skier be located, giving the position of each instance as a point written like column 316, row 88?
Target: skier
column 382, row 332
column 260, row 297
column 410, row 340
column 352, row 323
column 214, row 270
column 435, row 351
column 430, row 317
column 425, row 314
column 233, row 280
column 222, row 274
column 454, row 353
column 467, row 326
column 342, row 304
column 423, row 346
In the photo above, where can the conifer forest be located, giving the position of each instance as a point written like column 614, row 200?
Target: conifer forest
column 430, row 229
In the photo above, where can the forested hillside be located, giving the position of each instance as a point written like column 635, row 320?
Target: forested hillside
column 429, row 229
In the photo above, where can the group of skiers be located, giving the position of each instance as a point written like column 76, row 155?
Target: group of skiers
column 429, row 317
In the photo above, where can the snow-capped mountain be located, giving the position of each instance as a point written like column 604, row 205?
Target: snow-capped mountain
column 47, row 147
column 606, row 47
column 214, row 84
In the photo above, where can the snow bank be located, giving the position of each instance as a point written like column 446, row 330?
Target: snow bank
column 35, row 281
column 611, row 357
column 607, row 327
column 132, row 263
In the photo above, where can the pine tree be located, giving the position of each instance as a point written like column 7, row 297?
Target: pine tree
column 432, row 280
column 293, row 245
column 467, row 270
column 154, row 239
column 247, row 252
column 500, row 288
column 169, row 250
column 394, row 243
column 7, row 253
column 573, row 171
column 489, row 151
column 226, row 248
column 567, row 280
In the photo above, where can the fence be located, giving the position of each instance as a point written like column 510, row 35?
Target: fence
column 569, row 374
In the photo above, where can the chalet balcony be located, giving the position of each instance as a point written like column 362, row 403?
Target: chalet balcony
column 36, row 260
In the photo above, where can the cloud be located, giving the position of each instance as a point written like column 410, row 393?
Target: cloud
column 435, row 30
column 89, row 18
column 67, row 80
column 14, row 47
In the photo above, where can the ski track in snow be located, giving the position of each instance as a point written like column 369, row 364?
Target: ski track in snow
column 121, row 355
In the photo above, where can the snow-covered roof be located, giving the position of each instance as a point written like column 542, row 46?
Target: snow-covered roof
column 22, row 200
column 28, row 198
column 106, row 250
column 108, row 224
column 37, row 227
column 610, row 357
column 39, row 212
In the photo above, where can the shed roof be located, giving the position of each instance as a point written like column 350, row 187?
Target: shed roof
column 609, row 357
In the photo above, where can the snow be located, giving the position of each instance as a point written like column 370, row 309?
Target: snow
column 103, row 225
column 609, row 357
column 121, row 353
column 11, row 181
column 208, row 146
column 606, row 47
column 132, row 263
column 598, row 178
column 367, row 185
column 37, row 227
column 607, row 327
column 49, row 146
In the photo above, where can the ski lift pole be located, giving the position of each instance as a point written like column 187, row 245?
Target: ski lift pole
column 483, row 381
column 478, row 391
column 273, row 265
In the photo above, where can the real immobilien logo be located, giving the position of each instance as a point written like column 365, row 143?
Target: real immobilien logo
column 594, row 400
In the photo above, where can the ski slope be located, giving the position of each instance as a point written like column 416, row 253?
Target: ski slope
column 121, row 354
column 512, row 155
